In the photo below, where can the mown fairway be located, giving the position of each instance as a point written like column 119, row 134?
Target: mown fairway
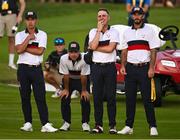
column 11, row 118
column 73, row 21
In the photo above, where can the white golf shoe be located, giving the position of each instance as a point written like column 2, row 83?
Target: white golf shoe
column 57, row 93
column 27, row 127
column 65, row 126
column 48, row 128
column 86, row 127
column 12, row 66
column 75, row 94
column 126, row 130
column 153, row 131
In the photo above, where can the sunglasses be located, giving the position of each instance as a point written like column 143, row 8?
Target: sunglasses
column 59, row 41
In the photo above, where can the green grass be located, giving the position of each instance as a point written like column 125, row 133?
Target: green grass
column 11, row 118
column 73, row 21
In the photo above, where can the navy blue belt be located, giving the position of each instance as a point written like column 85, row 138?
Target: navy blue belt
column 138, row 64
column 32, row 66
column 103, row 64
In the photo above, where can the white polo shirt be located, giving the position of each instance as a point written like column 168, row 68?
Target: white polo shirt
column 67, row 67
column 111, row 35
column 139, row 42
column 39, row 41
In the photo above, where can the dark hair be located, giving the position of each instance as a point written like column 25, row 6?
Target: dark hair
column 103, row 9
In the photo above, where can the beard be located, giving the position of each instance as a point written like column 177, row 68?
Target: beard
column 137, row 21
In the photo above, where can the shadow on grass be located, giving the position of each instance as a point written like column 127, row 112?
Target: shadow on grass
column 171, row 100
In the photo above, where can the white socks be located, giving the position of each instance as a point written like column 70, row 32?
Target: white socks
column 11, row 59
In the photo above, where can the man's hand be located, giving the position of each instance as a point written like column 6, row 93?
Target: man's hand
column 100, row 25
column 31, row 37
column 151, row 73
column 19, row 19
column 85, row 95
column 123, row 70
column 64, row 93
column 47, row 66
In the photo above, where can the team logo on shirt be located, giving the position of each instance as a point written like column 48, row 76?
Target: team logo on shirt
column 33, row 45
column 108, row 35
column 143, row 35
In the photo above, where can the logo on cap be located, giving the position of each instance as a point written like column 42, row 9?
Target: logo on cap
column 138, row 10
column 73, row 47
column 30, row 14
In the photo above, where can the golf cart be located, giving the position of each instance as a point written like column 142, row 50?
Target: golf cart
column 167, row 67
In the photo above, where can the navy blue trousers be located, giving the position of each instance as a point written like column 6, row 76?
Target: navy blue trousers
column 138, row 76
column 27, row 77
column 104, row 86
column 75, row 84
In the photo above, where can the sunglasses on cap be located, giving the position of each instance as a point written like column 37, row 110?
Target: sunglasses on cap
column 59, row 41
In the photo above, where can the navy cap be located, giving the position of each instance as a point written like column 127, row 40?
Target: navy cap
column 74, row 47
column 138, row 10
column 59, row 41
column 30, row 14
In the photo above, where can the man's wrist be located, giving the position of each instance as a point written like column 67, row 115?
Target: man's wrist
column 98, row 31
column 83, row 90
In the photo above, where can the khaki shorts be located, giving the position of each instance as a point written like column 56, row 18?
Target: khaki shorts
column 6, row 24
column 56, row 75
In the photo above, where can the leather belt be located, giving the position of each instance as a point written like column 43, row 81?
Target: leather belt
column 32, row 66
column 7, row 12
column 139, row 64
column 103, row 64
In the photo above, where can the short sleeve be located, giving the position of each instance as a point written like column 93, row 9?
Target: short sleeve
column 63, row 69
column 85, row 68
column 124, row 41
column 147, row 2
column 18, row 39
column 128, row 1
column 153, row 39
column 115, row 36
column 92, row 34
column 43, row 40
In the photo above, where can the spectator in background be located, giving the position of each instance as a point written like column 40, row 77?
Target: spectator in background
column 10, row 15
column 144, row 4
column 51, row 72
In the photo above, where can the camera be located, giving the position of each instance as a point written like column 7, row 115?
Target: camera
column 15, row 28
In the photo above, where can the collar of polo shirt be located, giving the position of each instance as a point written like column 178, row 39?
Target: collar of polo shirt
column 142, row 25
column 107, row 28
column 78, row 59
column 36, row 30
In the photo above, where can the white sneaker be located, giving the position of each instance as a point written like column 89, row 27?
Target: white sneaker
column 57, row 93
column 65, row 126
column 86, row 127
column 75, row 94
column 48, row 128
column 27, row 127
column 13, row 66
column 153, row 131
column 126, row 130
